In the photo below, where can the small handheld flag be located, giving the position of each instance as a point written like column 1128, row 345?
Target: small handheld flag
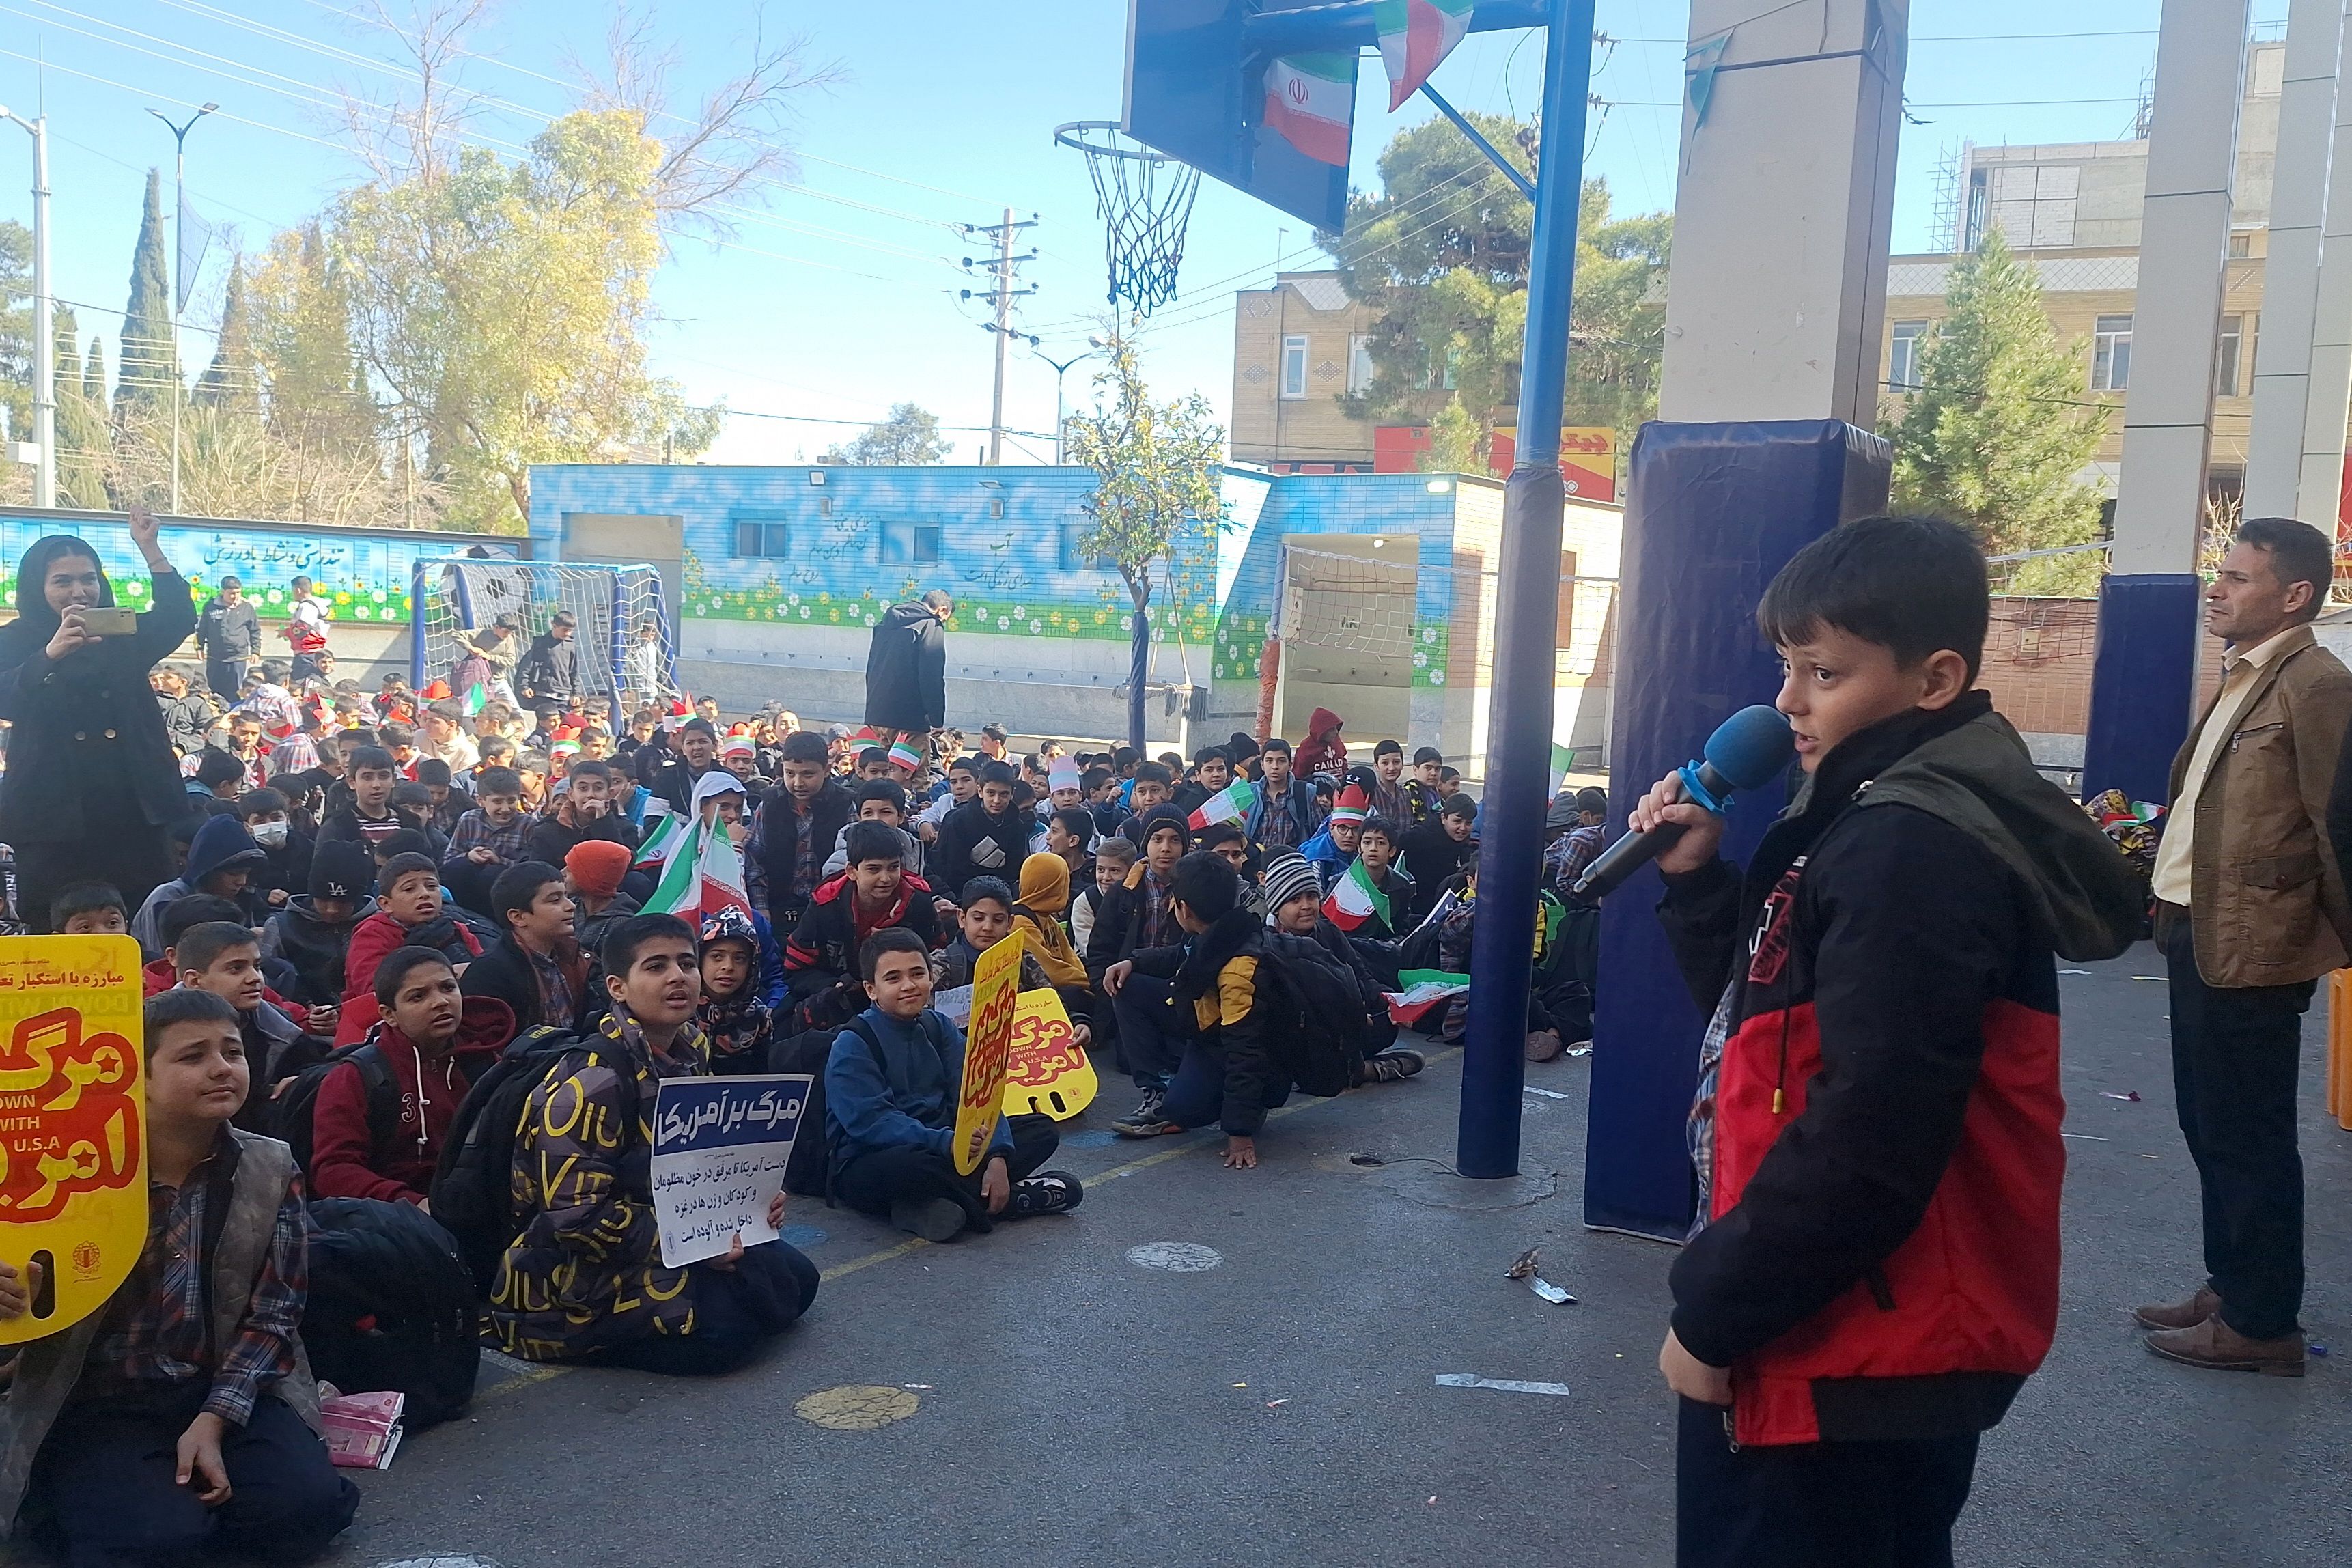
column 1356, row 900
column 664, row 828
column 1230, row 803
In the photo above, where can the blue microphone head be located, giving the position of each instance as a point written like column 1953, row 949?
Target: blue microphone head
column 1751, row 747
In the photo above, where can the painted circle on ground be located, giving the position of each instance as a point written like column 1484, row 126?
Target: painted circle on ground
column 1175, row 1256
column 443, row 1561
column 856, row 1407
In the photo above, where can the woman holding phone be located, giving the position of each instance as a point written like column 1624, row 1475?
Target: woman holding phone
column 92, row 787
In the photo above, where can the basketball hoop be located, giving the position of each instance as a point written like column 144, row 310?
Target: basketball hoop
column 1145, row 199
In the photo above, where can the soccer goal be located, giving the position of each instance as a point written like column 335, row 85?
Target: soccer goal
column 456, row 597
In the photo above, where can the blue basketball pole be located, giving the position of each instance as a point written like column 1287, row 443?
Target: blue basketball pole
column 1519, row 713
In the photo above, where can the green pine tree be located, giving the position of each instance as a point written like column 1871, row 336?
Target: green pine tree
column 232, row 384
column 1458, row 443
column 149, row 365
column 1997, row 431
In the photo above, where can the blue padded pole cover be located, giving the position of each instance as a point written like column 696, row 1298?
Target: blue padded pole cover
column 1714, row 511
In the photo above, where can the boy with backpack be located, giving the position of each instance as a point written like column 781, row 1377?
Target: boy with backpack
column 1192, row 1011
column 377, row 1112
column 312, row 934
column 138, row 1434
column 891, row 1090
column 581, row 1276
column 1294, row 901
column 1874, row 1273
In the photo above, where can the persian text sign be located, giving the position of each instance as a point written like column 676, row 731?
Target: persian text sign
column 73, row 1133
column 720, row 1146
column 987, row 1046
column 1048, row 1073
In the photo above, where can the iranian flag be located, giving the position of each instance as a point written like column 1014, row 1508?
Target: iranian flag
column 663, row 831
column 1230, row 803
column 1415, row 35
column 1311, row 101
column 1423, row 990
column 680, row 892
column 1355, row 899
column 477, row 698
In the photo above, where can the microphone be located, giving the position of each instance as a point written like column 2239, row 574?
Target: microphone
column 1747, row 751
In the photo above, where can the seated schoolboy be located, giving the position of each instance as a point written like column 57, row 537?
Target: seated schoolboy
column 1138, row 913
column 876, row 800
column 1114, row 858
column 1438, row 851
column 369, row 774
column 1228, row 843
column 1190, row 1011
column 873, row 894
column 984, row 919
column 891, row 1089
column 430, row 1043
column 536, row 967
column 584, row 1278
column 488, row 839
column 223, row 957
column 586, row 811
column 1421, row 791
column 88, row 908
column 1295, row 908
column 1070, row 833
column 312, row 934
column 1333, row 849
column 734, row 1016
column 1376, row 846
column 1045, row 894
column 987, row 835
column 135, row 1436
column 221, row 856
column 286, row 851
column 410, row 912
column 1875, row 1271
column 1154, row 783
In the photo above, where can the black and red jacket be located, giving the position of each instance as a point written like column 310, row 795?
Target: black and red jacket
column 1879, row 1254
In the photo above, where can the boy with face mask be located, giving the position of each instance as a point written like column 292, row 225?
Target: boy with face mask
column 286, row 851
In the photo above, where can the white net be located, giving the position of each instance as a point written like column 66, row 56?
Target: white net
column 620, row 668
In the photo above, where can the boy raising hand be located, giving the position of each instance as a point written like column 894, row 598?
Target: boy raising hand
column 1875, row 1270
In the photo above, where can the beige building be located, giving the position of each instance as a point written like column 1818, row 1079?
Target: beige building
column 1298, row 348
column 2073, row 210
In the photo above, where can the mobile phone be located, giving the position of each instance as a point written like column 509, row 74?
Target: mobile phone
column 102, row 621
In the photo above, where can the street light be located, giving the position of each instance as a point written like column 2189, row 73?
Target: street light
column 45, row 336
column 1061, row 368
column 179, row 284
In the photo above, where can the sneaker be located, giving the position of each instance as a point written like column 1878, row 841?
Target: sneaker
column 1047, row 1192
column 1389, row 1066
column 933, row 1219
column 1147, row 1108
column 1142, row 1125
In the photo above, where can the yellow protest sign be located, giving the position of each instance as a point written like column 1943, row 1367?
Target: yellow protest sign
column 73, row 1125
column 1048, row 1073
column 987, row 1046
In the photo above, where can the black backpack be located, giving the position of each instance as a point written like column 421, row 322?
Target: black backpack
column 1316, row 1012
column 291, row 1114
column 473, row 1187
column 810, row 1171
column 391, row 1306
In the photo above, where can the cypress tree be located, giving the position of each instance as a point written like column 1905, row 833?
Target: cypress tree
column 149, row 365
column 232, row 382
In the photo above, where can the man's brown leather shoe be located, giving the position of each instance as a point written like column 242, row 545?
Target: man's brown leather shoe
column 2214, row 1343
column 2181, row 1314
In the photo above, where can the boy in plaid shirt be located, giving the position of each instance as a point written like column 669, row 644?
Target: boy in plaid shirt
column 489, row 838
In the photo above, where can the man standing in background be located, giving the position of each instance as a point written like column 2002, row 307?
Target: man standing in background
column 907, row 668
column 230, row 635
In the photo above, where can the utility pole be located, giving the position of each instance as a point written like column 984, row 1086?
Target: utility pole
column 178, row 260
column 1002, row 297
column 44, row 333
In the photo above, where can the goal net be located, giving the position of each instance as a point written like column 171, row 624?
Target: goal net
column 458, row 597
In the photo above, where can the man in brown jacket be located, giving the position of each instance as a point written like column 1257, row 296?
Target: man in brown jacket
column 2251, row 910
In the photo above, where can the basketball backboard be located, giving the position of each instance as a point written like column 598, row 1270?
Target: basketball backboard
column 1198, row 90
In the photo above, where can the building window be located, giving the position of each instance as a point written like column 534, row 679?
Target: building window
column 1294, row 367
column 1903, row 357
column 2241, row 247
column 762, row 537
column 2228, row 357
column 1359, row 363
column 1074, row 558
column 996, row 506
column 910, row 542
column 2111, row 354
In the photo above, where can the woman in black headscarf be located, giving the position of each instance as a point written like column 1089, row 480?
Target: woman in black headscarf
column 91, row 787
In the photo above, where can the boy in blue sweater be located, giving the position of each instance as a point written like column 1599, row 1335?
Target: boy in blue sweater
column 891, row 1087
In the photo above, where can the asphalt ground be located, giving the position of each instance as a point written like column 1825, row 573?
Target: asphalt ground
column 1037, row 1395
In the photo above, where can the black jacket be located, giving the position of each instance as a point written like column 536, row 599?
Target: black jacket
column 85, row 727
column 775, row 839
column 673, row 782
column 226, row 632
column 550, row 668
column 971, row 844
column 187, row 720
column 505, row 971
column 314, row 948
column 1432, row 857
column 907, row 671
column 551, row 841
column 1219, row 967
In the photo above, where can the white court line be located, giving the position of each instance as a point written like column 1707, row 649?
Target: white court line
column 1508, row 1385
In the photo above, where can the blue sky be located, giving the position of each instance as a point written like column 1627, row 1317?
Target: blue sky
column 839, row 298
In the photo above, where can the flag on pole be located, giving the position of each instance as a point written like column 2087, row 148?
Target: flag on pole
column 1355, row 899
column 720, row 867
column 477, row 698
column 196, row 237
column 680, row 889
column 664, row 828
column 1230, row 803
column 1415, row 36
column 1310, row 100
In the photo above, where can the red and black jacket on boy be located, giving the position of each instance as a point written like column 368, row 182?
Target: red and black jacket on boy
column 1878, row 1143
column 823, row 949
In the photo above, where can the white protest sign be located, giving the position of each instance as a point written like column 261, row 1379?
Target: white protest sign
column 720, row 1145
